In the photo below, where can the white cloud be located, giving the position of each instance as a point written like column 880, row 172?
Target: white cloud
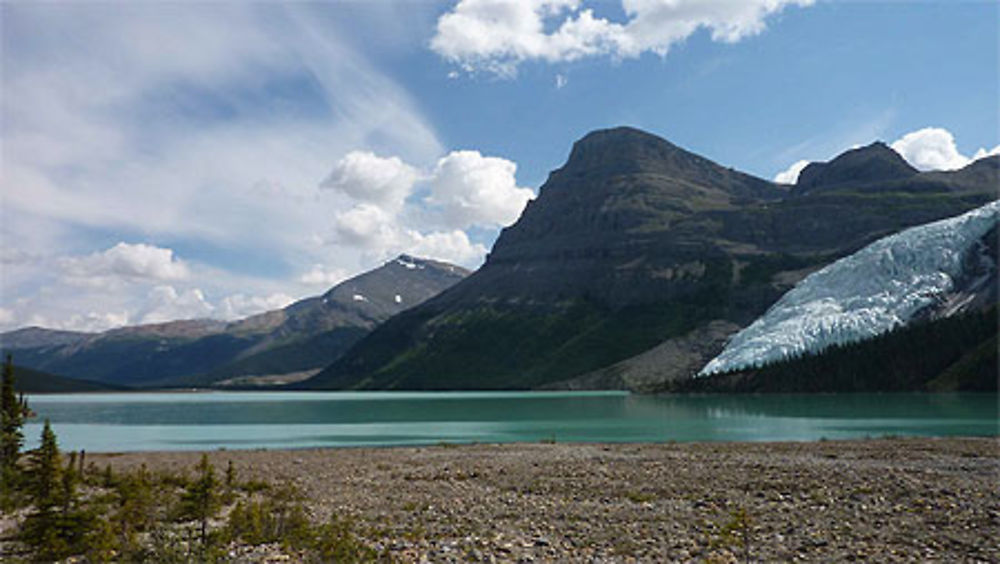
column 366, row 225
column 320, row 275
column 125, row 262
column 497, row 35
column 791, row 174
column 167, row 304
column 463, row 190
column 369, row 178
column 238, row 306
column 383, row 235
column 983, row 152
column 930, row 148
column 160, row 120
column 91, row 322
column 471, row 189
column 450, row 246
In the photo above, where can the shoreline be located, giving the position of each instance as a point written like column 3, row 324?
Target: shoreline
column 905, row 499
column 445, row 444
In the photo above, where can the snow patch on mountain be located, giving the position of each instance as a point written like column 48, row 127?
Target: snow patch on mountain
column 877, row 288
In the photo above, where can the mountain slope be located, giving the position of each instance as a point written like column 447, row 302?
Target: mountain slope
column 306, row 335
column 34, row 382
column 633, row 244
column 948, row 354
column 944, row 265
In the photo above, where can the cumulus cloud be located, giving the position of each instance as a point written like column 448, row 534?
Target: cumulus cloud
column 497, row 35
column 238, row 306
column 464, row 189
column 320, row 275
column 92, row 322
column 113, row 125
column 384, row 235
column 369, row 178
column 125, row 262
column 451, row 246
column 930, row 148
column 791, row 174
column 167, row 304
column 471, row 189
column 983, row 152
column 366, row 225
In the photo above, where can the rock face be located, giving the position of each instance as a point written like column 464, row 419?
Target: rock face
column 934, row 270
column 305, row 336
column 635, row 242
column 875, row 164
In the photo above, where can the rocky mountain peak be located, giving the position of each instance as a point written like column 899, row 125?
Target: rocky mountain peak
column 870, row 164
column 625, row 150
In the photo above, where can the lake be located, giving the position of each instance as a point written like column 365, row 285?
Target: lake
column 249, row 420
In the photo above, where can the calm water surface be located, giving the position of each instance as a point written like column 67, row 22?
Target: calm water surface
column 240, row 420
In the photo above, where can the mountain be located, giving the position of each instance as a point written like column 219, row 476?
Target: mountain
column 877, row 164
column 301, row 338
column 934, row 270
column 946, row 354
column 36, row 337
column 34, row 382
column 636, row 244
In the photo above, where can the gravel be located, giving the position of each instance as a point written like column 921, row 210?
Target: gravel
column 915, row 500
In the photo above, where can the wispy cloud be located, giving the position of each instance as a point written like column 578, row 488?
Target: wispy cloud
column 207, row 124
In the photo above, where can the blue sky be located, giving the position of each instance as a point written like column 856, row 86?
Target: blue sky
column 174, row 160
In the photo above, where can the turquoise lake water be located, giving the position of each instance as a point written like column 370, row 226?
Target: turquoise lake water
column 244, row 420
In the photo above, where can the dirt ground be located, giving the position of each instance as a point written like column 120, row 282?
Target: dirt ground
column 871, row 500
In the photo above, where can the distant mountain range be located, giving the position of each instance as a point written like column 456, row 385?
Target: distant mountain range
column 637, row 262
column 30, row 381
column 633, row 268
column 269, row 348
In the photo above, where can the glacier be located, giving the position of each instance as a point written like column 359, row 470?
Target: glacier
column 882, row 286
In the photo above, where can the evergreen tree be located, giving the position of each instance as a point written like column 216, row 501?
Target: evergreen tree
column 135, row 508
column 41, row 529
column 201, row 500
column 58, row 526
column 12, row 413
column 45, row 472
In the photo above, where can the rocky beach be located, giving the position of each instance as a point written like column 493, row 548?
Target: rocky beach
column 887, row 499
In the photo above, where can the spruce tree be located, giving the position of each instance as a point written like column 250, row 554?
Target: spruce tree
column 201, row 500
column 41, row 529
column 12, row 412
column 45, row 472
column 58, row 526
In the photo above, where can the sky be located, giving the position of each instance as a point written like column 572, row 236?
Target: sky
column 174, row 160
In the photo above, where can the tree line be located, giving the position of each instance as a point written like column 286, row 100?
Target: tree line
column 957, row 353
column 66, row 507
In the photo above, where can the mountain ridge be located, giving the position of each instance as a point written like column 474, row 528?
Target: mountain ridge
column 613, row 259
column 307, row 334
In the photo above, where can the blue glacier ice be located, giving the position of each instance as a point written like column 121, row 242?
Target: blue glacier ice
column 877, row 288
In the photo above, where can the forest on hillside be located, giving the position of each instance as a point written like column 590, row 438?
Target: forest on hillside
column 944, row 355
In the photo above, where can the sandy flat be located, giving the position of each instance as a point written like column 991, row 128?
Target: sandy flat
column 884, row 499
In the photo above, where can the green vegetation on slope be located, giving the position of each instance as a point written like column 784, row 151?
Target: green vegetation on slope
column 953, row 354
column 497, row 346
column 65, row 509
column 37, row 382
